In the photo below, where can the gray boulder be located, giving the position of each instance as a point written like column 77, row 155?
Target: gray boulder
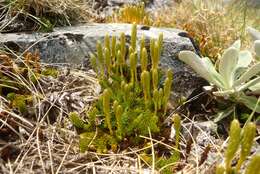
column 72, row 45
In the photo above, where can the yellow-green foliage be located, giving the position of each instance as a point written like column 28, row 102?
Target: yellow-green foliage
column 253, row 167
column 106, row 108
column 248, row 135
column 131, row 103
column 177, row 127
column 220, row 169
column 167, row 89
column 77, row 121
column 50, row 72
column 167, row 165
column 16, row 79
column 233, row 143
column 145, row 80
column 132, row 14
column 19, row 101
column 243, row 138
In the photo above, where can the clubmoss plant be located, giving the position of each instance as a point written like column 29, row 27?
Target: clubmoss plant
column 144, row 59
column 177, row 127
column 220, row 169
column 132, row 14
column 156, row 99
column 167, row 90
column 77, row 121
column 233, row 143
column 106, row 107
column 145, row 80
column 131, row 103
column 100, row 58
column 248, row 135
column 253, row 166
column 243, row 138
column 133, row 66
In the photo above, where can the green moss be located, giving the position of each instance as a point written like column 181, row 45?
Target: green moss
column 19, row 101
column 50, row 72
column 166, row 165
column 78, row 122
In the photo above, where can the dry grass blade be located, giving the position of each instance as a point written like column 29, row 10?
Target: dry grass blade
column 44, row 14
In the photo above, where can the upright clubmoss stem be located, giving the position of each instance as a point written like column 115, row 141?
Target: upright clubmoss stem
column 93, row 61
column 253, row 167
column 120, row 62
column 160, row 43
column 106, row 108
column 123, row 47
column 177, row 126
column 152, row 43
column 134, row 36
column 107, row 61
column 233, row 143
column 119, row 112
column 248, row 135
column 144, row 59
column 113, row 49
column 145, row 80
column 100, row 58
column 133, row 64
column 160, row 98
column 155, row 58
column 155, row 100
column 155, row 78
column 107, row 43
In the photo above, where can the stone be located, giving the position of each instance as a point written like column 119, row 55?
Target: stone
column 72, row 45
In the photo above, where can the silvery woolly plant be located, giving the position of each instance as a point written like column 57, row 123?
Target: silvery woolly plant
column 237, row 74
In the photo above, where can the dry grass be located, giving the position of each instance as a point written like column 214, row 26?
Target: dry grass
column 44, row 146
column 213, row 25
column 45, row 14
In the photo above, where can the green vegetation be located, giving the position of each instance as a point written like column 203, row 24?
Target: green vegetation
column 132, row 14
column 132, row 117
column 243, row 138
column 234, row 76
column 130, row 104
column 16, row 80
